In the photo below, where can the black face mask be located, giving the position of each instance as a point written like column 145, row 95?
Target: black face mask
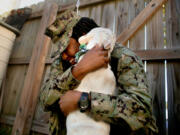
column 66, row 64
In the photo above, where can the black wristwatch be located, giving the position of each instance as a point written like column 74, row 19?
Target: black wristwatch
column 84, row 102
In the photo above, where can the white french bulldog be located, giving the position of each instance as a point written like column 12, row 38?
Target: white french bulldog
column 101, row 81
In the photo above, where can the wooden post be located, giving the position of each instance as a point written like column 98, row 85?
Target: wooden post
column 140, row 20
column 30, row 91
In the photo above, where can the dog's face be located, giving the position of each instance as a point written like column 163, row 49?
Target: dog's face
column 99, row 36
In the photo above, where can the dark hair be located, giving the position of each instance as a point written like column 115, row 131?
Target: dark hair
column 83, row 26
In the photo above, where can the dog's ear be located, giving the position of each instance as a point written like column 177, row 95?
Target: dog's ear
column 85, row 39
column 109, row 44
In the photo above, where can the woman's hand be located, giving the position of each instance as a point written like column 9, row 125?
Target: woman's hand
column 69, row 101
column 94, row 59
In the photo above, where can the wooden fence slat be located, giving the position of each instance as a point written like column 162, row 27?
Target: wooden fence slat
column 156, row 71
column 155, row 75
column 84, row 12
column 173, row 72
column 122, row 15
column 15, row 77
column 140, row 20
column 175, row 22
column 137, row 41
column 173, row 97
column 96, row 14
column 24, row 42
column 107, row 14
column 33, row 79
column 171, row 83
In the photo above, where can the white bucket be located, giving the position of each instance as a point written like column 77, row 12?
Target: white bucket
column 7, row 37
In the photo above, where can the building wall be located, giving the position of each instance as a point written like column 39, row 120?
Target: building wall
column 7, row 5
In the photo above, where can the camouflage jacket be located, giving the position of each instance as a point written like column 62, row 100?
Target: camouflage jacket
column 129, row 111
column 131, row 107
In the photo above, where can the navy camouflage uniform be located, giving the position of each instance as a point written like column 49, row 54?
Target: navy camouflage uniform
column 128, row 112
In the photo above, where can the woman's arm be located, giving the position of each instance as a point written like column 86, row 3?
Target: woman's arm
column 58, row 83
column 133, row 102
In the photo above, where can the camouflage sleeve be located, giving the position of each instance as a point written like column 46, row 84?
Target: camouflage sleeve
column 66, row 81
column 132, row 104
column 55, row 86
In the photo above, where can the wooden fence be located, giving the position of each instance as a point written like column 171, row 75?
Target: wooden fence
column 157, row 42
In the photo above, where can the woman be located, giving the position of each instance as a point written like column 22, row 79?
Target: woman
column 128, row 112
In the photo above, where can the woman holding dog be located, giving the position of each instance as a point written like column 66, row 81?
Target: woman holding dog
column 129, row 111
